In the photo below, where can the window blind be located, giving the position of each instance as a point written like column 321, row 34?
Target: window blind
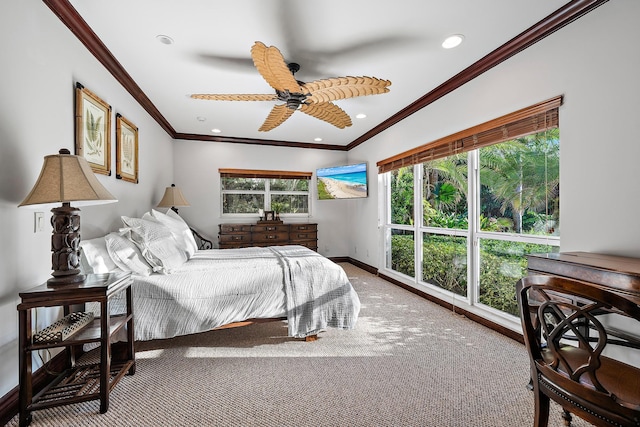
column 248, row 173
column 533, row 119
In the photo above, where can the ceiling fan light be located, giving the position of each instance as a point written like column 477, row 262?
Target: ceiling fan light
column 452, row 41
column 361, row 116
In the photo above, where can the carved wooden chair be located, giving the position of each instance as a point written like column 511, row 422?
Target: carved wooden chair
column 564, row 330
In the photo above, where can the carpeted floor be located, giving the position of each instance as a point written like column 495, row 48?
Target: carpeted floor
column 409, row 362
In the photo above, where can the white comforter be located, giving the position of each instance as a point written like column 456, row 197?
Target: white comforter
column 216, row 287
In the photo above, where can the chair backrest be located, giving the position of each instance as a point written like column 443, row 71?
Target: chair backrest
column 565, row 325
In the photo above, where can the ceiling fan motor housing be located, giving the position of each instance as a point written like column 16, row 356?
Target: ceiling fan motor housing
column 293, row 100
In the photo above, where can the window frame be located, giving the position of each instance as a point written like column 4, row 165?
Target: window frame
column 539, row 117
column 267, row 175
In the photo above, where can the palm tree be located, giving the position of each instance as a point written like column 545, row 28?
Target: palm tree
column 522, row 174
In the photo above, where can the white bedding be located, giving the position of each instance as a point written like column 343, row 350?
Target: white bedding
column 217, row 287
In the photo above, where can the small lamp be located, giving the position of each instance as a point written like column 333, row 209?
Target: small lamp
column 173, row 197
column 66, row 178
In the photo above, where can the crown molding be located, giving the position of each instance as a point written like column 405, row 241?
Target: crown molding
column 545, row 27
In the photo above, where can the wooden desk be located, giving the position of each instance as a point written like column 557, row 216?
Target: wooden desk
column 620, row 274
column 77, row 383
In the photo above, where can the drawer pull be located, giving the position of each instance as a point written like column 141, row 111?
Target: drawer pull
column 271, row 228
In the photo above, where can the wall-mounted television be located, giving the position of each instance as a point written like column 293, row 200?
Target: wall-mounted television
column 342, row 182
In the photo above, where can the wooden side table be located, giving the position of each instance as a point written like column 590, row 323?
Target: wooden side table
column 78, row 383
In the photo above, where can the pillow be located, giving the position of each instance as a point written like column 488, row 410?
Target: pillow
column 95, row 257
column 157, row 244
column 180, row 230
column 125, row 254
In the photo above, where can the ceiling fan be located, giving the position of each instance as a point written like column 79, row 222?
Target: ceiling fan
column 312, row 98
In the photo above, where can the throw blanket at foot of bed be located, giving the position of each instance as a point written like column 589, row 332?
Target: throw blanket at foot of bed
column 217, row 287
column 318, row 295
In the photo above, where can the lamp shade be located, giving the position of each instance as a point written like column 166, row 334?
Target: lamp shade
column 67, row 178
column 173, row 197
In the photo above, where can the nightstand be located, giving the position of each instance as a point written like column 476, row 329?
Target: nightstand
column 79, row 382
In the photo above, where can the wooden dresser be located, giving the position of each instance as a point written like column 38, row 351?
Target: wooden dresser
column 267, row 234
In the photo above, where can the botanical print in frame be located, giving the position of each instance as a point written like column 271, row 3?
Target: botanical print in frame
column 93, row 125
column 126, row 150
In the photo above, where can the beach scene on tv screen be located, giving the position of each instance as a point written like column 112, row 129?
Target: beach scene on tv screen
column 342, row 182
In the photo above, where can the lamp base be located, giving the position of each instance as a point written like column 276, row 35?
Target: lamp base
column 66, row 280
column 65, row 246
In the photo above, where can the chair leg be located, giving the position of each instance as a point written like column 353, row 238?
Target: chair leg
column 542, row 410
column 566, row 416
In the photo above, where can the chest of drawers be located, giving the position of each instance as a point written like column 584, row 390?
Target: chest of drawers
column 267, row 234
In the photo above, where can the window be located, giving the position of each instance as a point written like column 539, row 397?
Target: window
column 247, row 191
column 464, row 211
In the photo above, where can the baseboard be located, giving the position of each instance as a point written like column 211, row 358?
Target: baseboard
column 10, row 402
column 366, row 267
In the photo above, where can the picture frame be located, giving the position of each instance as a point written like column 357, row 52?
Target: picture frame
column 93, row 130
column 269, row 216
column 126, row 150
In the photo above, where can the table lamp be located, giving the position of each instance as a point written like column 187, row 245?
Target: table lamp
column 173, row 197
column 66, row 178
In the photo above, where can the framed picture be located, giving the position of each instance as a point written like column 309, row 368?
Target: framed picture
column 93, row 130
column 269, row 216
column 126, row 150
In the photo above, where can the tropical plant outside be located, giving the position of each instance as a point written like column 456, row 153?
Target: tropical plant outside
column 247, row 195
column 519, row 196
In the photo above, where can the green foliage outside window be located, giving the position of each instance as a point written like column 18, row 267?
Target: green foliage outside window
column 519, row 195
column 248, row 195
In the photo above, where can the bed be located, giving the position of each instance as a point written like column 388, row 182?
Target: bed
column 179, row 290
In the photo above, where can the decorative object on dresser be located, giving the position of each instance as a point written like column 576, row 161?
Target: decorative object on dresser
column 66, row 178
column 267, row 233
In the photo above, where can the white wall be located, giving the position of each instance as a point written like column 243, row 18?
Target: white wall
column 594, row 63
column 41, row 61
column 196, row 173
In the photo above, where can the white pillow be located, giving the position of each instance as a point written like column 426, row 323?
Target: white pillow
column 180, row 230
column 157, row 244
column 96, row 256
column 126, row 255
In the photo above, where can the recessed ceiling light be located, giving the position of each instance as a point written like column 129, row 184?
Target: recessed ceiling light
column 216, row 130
column 361, row 116
column 452, row 41
column 317, row 139
column 164, row 39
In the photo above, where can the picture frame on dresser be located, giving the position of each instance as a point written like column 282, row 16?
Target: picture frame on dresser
column 93, row 130
column 126, row 150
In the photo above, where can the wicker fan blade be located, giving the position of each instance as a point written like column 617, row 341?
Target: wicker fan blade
column 328, row 112
column 270, row 63
column 332, row 89
column 277, row 116
column 234, row 97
